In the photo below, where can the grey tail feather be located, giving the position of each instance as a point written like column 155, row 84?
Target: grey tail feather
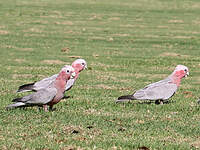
column 125, row 98
column 26, row 87
column 17, row 99
column 15, row 105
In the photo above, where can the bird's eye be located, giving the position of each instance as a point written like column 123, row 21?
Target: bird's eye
column 185, row 70
column 83, row 64
column 67, row 71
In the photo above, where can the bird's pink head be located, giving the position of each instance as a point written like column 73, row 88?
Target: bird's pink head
column 180, row 72
column 79, row 65
column 67, row 72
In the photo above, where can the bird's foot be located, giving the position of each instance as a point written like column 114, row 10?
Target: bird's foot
column 45, row 108
column 159, row 102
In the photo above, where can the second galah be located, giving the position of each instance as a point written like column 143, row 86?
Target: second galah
column 50, row 95
column 161, row 90
column 78, row 65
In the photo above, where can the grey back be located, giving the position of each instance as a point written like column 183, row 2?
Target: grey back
column 44, row 83
column 163, row 89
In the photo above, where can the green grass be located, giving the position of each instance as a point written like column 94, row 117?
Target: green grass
column 127, row 44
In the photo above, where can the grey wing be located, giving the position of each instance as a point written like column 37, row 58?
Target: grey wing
column 69, row 84
column 166, row 80
column 44, row 82
column 157, row 91
column 43, row 96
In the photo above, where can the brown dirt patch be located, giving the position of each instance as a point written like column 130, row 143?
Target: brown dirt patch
column 74, row 56
column 65, row 49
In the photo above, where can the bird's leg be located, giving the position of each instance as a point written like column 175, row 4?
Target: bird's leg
column 45, row 108
column 51, row 108
column 39, row 108
column 159, row 101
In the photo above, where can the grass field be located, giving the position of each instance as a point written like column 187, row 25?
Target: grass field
column 127, row 44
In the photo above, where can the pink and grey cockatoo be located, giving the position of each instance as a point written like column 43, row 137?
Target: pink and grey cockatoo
column 78, row 65
column 161, row 90
column 50, row 95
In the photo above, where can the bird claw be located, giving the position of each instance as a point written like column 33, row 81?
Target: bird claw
column 159, row 102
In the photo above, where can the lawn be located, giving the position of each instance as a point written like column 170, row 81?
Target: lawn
column 127, row 45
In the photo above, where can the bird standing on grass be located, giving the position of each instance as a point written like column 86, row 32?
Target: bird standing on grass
column 78, row 65
column 161, row 90
column 50, row 95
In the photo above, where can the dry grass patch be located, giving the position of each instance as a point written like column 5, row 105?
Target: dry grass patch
column 171, row 54
column 196, row 144
column 175, row 21
column 25, row 49
column 157, row 76
column 151, row 36
column 121, row 35
column 53, row 62
column 35, row 30
column 94, row 17
column 34, row 35
column 163, row 27
column 65, row 23
column 92, row 111
column 114, row 18
column 107, row 87
column 182, row 37
column 21, row 76
column 97, row 38
column 19, row 60
column 3, row 32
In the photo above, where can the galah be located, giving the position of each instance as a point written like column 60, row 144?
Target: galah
column 78, row 65
column 50, row 95
column 161, row 90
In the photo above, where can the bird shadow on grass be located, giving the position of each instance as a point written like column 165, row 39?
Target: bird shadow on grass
column 67, row 97
column 147, row 102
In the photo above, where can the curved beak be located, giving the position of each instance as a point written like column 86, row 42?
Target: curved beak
column 73, row 75
column 187, row 74
column 85, row 67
